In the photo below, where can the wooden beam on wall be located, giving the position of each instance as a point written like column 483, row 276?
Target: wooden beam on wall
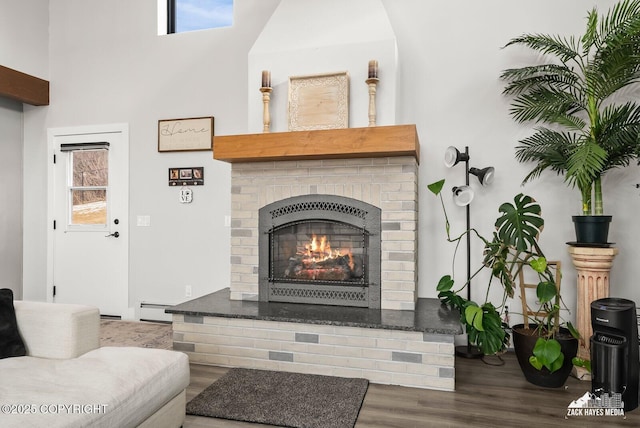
column 23, row 87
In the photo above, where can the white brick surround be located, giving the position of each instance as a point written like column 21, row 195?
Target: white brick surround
column 396, row 357
column 390, row 183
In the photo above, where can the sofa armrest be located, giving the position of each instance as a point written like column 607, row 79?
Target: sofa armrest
column 57, row 330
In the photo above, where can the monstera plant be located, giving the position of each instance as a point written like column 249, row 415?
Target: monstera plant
column 513, row 246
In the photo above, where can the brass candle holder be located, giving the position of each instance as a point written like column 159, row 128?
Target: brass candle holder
column 372, row 82
column 266, row 117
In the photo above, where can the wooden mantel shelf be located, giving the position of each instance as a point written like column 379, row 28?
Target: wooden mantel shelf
column 370, row 142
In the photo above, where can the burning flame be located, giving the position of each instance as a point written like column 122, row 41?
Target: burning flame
column 319, row 249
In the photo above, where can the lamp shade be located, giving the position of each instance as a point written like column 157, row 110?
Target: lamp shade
column 485, row 175
column 452, row 156
column 462, row 195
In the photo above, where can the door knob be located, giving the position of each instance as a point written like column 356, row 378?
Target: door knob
column 114, row 234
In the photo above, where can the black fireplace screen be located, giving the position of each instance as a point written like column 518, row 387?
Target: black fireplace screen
column 321, row 249
column 324, row 252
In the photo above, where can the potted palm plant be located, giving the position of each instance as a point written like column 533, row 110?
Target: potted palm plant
column 585, row 128
column 544, row 361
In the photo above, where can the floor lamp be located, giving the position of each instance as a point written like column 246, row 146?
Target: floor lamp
column 462, row 196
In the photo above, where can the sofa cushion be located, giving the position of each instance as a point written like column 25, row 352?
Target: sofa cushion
column 11, row 344
column 58, row 330
column 109, row 387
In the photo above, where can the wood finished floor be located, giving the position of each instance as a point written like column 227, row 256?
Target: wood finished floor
column 485, row 396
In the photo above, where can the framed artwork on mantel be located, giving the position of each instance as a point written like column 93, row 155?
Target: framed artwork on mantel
column 191, row 134
column 319, row 101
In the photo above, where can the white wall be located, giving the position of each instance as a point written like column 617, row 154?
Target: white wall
column 24, row 46
column 11, row 196
column 24, row 35
column 108, row 65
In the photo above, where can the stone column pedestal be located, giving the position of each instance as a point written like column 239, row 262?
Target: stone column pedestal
column 593, row 265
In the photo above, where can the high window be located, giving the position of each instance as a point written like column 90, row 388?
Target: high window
column 190, row 15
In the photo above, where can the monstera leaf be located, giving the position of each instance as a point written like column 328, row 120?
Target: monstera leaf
column 496, row 258
column 520, row 222
column 547, row 353
column 484, row 328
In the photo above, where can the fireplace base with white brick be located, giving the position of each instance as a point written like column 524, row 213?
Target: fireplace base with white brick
column 408, row 348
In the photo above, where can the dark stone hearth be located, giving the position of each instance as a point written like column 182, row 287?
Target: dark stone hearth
column 429, row 317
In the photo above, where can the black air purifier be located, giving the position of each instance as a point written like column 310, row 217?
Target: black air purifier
column 614, row 350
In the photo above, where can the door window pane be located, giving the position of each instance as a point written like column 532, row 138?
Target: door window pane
column 88, row 193
column 89, row 206
column 90, row 168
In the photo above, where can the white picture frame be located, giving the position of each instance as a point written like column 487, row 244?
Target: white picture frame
column 189, row 134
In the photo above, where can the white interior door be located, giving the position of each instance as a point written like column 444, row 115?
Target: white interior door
column 90, row 218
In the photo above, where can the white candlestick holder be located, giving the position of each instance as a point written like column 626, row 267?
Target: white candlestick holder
column 372, row 82
column 266, row 116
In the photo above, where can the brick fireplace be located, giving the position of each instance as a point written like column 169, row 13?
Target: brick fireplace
column 400, row 339
column 376, row 166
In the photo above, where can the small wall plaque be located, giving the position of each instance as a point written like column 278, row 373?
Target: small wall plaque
column 193, row 176
column 186, row 195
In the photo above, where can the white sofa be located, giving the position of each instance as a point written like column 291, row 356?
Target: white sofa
column 67, row 380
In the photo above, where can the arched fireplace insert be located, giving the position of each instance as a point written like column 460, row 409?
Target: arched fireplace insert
column 320, row 249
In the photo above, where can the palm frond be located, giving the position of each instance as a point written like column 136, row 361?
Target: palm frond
column 558, row 77
column 611, row 70
column 618, row 133
column 591, row 33
column 615, row 62
column 620, row 22
column 549, row 149
column 545, row 105
column 571, row 122
column 565, row 49
column 536, row 172
column 585, row 163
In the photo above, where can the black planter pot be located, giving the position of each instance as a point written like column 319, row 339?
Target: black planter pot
column 523, row 345
column 592, row 229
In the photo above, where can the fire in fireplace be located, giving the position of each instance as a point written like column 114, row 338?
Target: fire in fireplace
column 299, row 254
column 320, row 249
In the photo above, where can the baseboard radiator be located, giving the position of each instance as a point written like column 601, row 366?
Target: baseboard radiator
column 154, row 312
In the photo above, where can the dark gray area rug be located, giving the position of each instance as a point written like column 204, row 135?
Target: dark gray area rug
column 281, row 398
